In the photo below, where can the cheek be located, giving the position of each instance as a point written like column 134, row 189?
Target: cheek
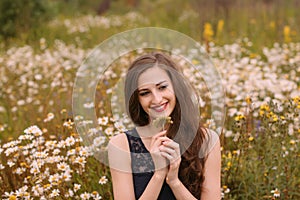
column 143, row 101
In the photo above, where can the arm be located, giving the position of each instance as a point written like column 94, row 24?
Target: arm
column 212, row 182
column 120, row 167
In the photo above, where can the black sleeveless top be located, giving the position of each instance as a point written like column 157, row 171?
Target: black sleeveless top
column 143, row 167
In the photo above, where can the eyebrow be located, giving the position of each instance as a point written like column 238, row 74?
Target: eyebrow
column 157, row 84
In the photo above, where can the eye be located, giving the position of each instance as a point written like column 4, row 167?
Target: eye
column 162, row 87
column 144, row 93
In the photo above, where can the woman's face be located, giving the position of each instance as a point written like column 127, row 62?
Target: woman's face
column 156, row 93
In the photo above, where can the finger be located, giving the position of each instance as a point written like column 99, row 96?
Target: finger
column 159, row 141
column 171, row 144
column 167, row 156
column 168, row 150
column 160, row 134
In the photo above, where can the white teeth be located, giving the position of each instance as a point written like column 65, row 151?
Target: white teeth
column 159, row 108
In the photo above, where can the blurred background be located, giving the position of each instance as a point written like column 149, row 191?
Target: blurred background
column 222, row 21
column 254, row 44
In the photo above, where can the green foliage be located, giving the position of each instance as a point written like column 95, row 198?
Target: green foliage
column 21, row 15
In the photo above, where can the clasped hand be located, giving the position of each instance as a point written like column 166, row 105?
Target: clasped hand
column 166, row 157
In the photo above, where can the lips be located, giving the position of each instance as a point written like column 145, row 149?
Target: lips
column 160, row 108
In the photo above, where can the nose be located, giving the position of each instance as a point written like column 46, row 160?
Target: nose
column 157, row 97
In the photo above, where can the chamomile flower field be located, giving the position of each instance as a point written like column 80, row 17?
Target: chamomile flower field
column 42, row 155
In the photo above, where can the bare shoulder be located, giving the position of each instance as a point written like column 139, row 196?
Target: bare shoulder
column 119, row 153
column 119, row 141
column 211, row 142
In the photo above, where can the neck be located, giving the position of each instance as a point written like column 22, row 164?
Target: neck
column 147, row 131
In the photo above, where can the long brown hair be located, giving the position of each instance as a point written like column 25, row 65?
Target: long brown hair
column 186, row 128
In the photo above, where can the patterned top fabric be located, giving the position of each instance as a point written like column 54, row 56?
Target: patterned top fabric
column 143, row 167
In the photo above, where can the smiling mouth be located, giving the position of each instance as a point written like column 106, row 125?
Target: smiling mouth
column 160, row 108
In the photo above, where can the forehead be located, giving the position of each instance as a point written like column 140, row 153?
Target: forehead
column 153, row 75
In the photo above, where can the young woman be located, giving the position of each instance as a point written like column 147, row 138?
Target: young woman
column 181, row 161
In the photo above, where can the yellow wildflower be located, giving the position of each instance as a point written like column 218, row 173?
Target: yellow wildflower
column 220, row 26
column 251, row 138
column 272, row 25
column 275, row 118
column 292, row 142
column 208, row 32
column 248, row 100
column 229, row 164
column 12, row 197
column 287, row 34
column 265, row 107
column 239, row 118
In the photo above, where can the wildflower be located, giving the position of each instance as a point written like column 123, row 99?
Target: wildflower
column 71, row 152
column 239, row 118
column 78, row 117
column 34, row 170
column 63, row 166
column 272, row 25
column 69, row 123
column 26, row 137
column 89, row 105
column 85, row 196
column 93, row 131
column 22, row 192
column 120, row 127
column 225, row 189
column 70, row 141
column 54, row 193
column 160, row 122
column 220, row 26
column 37, row 190
column 229, row 164
column 54, row 179
column 236, row 152
column 63, row 111
column 248, row 100
column 11, row 150
column 103, row 180
column 287, row 34
column 33, row 130
column 103, row 121
column 109, row 131
column 276, row 193
column 80, row 160
column 99, row 141
column 208, row 32
column 84, row 151
column 292, row 142
column 47, row 186
column 1, row 166
column 11, row 195
column 11, row 144
column 49, row 117
column 10, row 163
column 20, row 170
column 66, row 176
column 43, row 44
column 76, row 187
column 96, row 195
column 56, row 152
column 70, row 193
column 2, row 127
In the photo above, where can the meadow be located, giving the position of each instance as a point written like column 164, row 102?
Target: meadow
column 255, row 48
